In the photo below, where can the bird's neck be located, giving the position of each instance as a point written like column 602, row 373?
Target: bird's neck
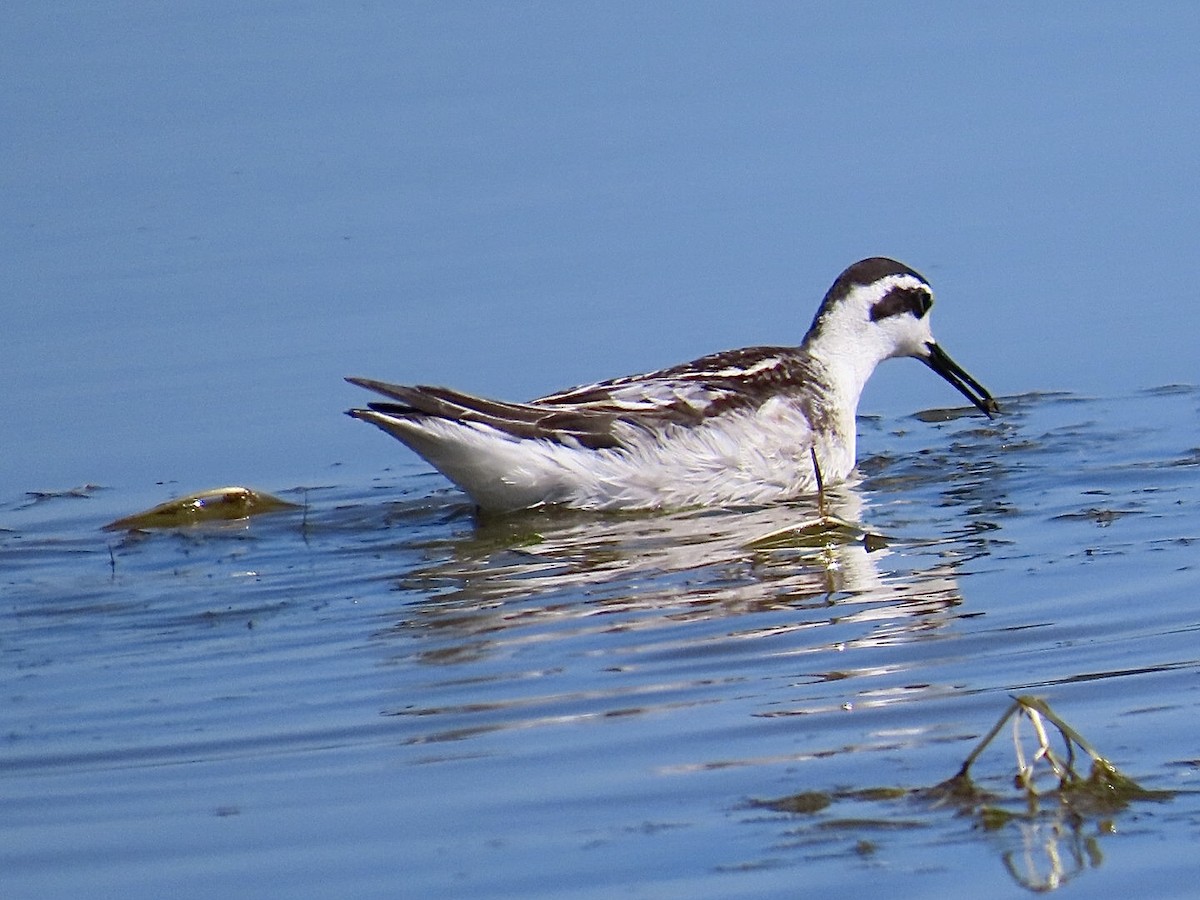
column 843, row 370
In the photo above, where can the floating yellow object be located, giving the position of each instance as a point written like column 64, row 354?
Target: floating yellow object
column 206, row 506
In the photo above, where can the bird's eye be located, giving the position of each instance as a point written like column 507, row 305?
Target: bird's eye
column 900, row 300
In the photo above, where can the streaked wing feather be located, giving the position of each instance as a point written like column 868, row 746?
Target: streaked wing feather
column 682, row 395
column 592, row 429
column 725, row 369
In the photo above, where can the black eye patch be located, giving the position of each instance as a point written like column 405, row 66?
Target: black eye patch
column 900, row 300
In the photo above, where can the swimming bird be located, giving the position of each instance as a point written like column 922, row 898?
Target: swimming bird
column 747, row 426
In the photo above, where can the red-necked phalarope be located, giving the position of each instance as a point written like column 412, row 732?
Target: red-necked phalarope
column 736, row 427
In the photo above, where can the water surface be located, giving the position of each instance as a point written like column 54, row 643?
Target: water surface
column 377, row 695
column 212, row 214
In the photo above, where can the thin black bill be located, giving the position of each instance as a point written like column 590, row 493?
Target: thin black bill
column 940, row 362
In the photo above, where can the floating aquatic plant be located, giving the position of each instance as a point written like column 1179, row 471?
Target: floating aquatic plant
column 219, row 504
column 816, row 533
column 1053, row 803
column 1103, row 790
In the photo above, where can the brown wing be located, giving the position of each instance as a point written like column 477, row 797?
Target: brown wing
column 596, row 415
column 522, row 420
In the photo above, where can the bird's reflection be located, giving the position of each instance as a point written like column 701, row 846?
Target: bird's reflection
column 546, row 569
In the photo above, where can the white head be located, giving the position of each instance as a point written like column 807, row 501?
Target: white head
column 876, row 309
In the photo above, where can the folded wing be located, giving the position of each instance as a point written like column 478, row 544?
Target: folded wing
column 600, row 415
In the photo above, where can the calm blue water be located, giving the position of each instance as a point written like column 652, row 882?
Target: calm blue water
column 211, row 214
column 373, row 696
